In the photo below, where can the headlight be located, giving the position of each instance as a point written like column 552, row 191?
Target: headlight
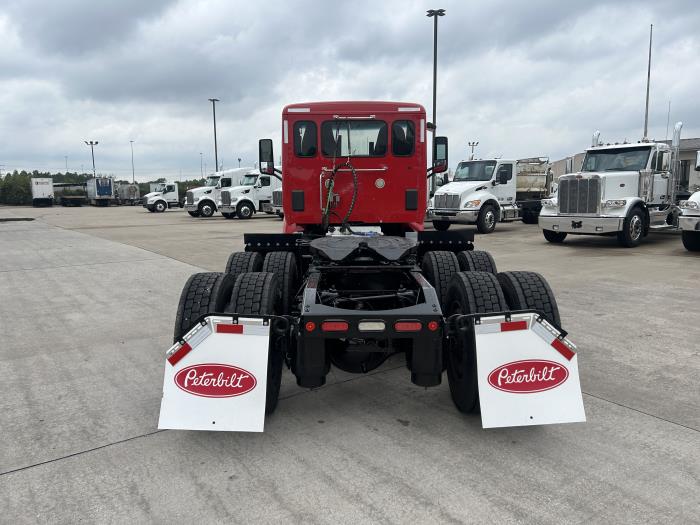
column 549, row 203
column 690, row 205
column 615, row 203
column 472, row 204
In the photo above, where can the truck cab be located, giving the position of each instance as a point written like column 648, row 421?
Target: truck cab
column 205, row 201
column 623, row 189
column 254, row 194
column 487, row 191
column 164, row 196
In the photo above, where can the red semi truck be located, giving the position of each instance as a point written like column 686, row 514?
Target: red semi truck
column 332, row 293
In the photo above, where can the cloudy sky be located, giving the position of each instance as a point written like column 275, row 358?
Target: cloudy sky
column 523, row 78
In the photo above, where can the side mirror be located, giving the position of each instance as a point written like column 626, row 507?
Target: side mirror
column 266, row 157
column 440, row 160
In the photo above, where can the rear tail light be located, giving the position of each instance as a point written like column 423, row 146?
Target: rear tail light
column 408, row 326
column 371, row 326
column 310, row 326
column 334, row 326
column 433, row 325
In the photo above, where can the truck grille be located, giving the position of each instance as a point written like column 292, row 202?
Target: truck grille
column 190, row 197
column 445, row 201
column 277, row 198
column 579, row 195
column 225, row 198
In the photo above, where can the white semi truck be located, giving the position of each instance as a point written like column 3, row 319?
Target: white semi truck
column 253, row 195
column 42, row 191
column 623, row 189
column 485, row 192
column 689, row 221
column 204, row 201
column 163, row 196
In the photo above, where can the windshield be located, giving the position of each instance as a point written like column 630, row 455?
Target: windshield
column 474, row 170
column 627, row 159
column 212, row 181
column 159, row 187
column 249, row 180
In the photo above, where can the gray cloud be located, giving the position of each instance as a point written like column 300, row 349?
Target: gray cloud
column 523, row 78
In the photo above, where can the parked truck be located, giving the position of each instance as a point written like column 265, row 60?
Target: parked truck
column 253, row 195
column 689, row 221
column 623, row 189
column 205, row 201
column 485, row 192
column 161, row 197
column 42, row 191
column 100, row 191
column 128, row 194
column 277, row 203
column 322, row 294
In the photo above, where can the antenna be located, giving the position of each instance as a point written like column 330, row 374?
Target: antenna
column 646, row 111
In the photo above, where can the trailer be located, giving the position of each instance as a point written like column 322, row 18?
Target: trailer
column 70, row 193
column 128, row 194
column 100, row 191
column 42, row 191
column 485, row 192
column 355, row 279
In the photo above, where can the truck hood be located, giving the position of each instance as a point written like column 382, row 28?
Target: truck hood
column 462, row 187
column 153, row 194
column 201, row 190
column 238, row 190
column 601, row 174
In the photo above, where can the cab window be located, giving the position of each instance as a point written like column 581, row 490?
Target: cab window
column 226, row 183
column 169, row 188
column 402, row 137
column 354, row 138
column 507, row 169
column 304, row 139
column 264, row 181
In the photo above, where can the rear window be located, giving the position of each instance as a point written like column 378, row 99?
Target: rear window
column 403, row 136
column 305, row 138
column 354, row 138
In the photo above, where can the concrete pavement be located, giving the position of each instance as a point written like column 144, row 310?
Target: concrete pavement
column 88, row 301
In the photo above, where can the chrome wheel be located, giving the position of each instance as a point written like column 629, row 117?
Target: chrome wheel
column 490, row 219
column 635, row 227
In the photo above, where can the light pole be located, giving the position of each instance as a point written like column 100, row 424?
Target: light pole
column 239, row 162
column 434, row 14
column 92, row 145
column 133, row 172
column 472, row 145
column 201, row 169
column 216, row 149
column 66, row 157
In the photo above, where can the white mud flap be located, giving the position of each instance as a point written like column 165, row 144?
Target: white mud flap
column 527, row 373
column 217, row 379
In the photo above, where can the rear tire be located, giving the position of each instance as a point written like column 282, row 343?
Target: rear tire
column 691, row 240
column 469, row 293
column 284, row 265
column 258, row 293
column 193, row 213
column 554, row 237
column 441, row 226
column 529, row 291
column 438, row 268
column 476, row 261
column 488, row 217
column 203, row 293
column 241, row 262
column 632, row 229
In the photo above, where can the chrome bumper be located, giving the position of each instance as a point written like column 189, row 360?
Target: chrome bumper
column 227, row 208
column 457, row 216
column 690, row 223
column 579, row 224
column 191, row 207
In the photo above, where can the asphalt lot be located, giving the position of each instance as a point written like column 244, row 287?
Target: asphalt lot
column 87, row 303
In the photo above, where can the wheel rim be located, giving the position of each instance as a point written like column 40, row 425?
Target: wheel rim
column 635, row 227
column 160, row 206
column 489, row 219
column 245, row 211
column 206, row 210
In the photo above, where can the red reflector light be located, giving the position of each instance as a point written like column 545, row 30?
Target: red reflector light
column 310, row 326
column 433, row 325
column 407, row 326
column 513, row 325
column 334, row 326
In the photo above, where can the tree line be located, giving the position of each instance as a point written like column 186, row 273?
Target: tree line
column 15, row 187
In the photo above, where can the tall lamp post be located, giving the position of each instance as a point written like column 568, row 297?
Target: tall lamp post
column 92, row 144
column 201, row 168
column 133, row 172
column 216, row 149
column 239, row 162
column 472, row 145
column 434, row 14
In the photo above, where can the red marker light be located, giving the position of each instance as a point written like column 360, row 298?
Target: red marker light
column 433, row 325
column 334, row 326
column 407, row 326
column 310, row 326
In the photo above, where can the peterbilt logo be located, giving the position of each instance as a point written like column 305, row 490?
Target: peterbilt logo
column 528, row 376
column 215, row 380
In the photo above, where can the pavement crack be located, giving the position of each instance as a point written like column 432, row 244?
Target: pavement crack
column 81, row 452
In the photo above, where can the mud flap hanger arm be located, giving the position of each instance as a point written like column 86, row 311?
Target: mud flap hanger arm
column 460, row 322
